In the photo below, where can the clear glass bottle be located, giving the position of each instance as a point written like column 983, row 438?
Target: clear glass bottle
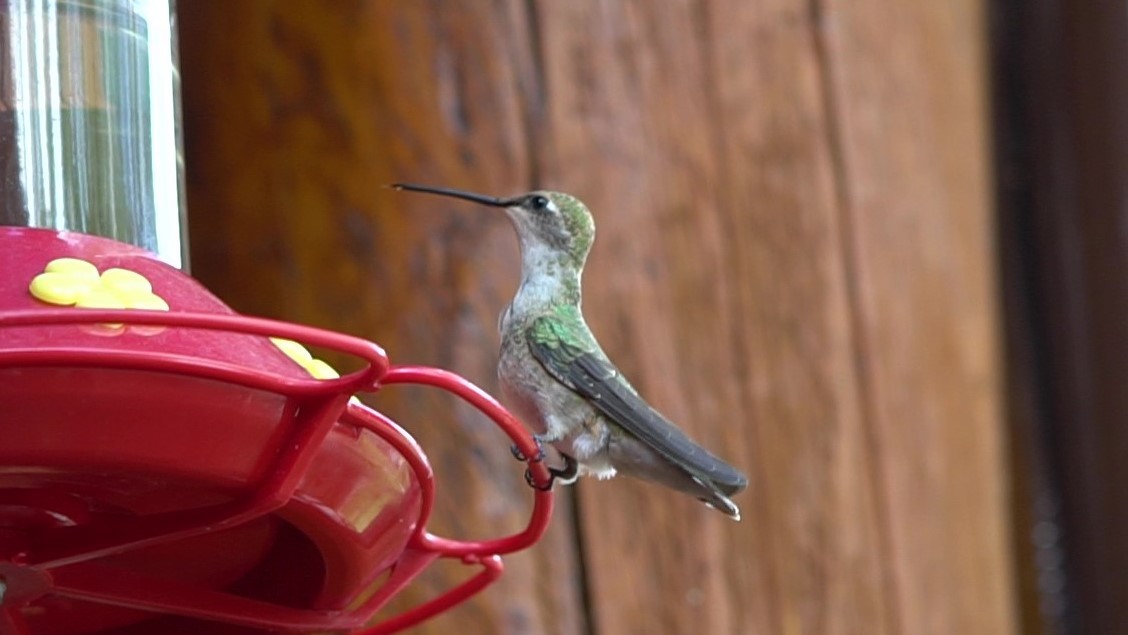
column 90, row 122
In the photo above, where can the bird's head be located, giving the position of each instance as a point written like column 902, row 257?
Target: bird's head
column 545, row 221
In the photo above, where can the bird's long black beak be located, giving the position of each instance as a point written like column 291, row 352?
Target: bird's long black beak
column 492, row 201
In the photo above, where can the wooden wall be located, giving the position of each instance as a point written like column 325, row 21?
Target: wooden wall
column 795, row 260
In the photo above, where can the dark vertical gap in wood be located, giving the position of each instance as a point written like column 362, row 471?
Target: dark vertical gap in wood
column 1094, row 447
column 535, row 107
column 1071, row 119
column 584, row 565
column 1043, row 587
column 858, row 338
column 536, row 96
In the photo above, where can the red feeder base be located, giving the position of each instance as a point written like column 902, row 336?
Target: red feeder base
column 172, row 472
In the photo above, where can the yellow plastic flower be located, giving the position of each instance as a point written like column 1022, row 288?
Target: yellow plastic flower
column 318, row 369
column 75, row 282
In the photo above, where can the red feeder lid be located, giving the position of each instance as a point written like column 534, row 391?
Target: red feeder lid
column 163, row 467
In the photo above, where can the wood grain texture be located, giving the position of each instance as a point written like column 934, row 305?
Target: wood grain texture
column 794, row 262
column 910, row 102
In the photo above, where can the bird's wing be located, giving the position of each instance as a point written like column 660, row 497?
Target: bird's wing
column 579, row 364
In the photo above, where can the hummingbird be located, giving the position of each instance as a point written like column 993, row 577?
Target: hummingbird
column 556, row 377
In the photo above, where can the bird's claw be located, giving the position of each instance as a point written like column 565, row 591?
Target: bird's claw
column 566, row 475
column 533, row 482
column 520, row 456
column 569, row 474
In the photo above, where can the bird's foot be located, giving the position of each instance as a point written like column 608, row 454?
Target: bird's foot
column 566, row 475
column 569, row 473
column 520, row 456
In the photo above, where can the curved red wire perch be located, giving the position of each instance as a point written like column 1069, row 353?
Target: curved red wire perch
column 475, row 396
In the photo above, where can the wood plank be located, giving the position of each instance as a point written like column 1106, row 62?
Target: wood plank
column 909, row 94
column 697, row 132
column 295, row 114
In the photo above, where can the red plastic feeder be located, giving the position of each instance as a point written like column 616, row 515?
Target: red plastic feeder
column 178, row 472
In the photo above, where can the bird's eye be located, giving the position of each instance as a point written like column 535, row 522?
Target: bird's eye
column 539, row 203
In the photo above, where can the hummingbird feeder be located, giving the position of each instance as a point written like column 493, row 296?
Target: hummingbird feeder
column 167, row 465
column 174, row 466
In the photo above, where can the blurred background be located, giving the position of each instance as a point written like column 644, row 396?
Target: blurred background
column 871, row 252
